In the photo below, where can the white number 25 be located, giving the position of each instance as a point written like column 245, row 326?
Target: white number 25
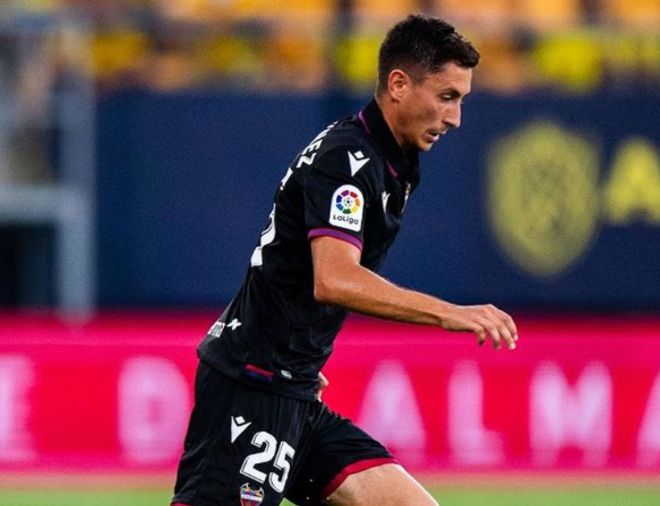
column 282, row 462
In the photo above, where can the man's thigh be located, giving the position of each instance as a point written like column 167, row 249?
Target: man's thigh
column 386, row 485
column 336, row 451
column 240, row 446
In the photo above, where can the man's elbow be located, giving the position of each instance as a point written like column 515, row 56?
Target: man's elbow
column 327, row 292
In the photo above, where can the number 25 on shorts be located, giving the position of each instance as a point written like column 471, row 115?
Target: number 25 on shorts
column 282, row 463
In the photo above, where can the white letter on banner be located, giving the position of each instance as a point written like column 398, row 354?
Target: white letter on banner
column 16, row 377
column 562, row 416
column 648, row 440
column 390, row 412
column 471, row 443
column 153, row 410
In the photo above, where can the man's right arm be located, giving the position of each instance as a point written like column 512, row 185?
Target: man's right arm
column 340, row 280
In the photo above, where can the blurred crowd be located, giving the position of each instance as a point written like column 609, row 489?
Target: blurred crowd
column 296, row 46
column 576, row 46
column 569, row 46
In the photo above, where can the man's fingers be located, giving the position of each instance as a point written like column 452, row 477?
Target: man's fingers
column 490, row 322
column 506, row 334
column 492, row 331
column 497, row 330
column 501, row 320
column 510, row 324
column 481, row 333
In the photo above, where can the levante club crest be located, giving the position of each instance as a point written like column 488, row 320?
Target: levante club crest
column 250, row 496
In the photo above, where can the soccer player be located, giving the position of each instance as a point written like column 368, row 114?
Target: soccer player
column 259, row 431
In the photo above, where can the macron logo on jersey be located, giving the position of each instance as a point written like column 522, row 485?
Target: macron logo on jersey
column 238, row 426
column 357, row 161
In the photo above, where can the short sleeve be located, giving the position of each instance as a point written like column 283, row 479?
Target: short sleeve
column 337, row 192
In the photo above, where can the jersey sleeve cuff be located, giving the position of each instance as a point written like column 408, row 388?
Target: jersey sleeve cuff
column 337, row 234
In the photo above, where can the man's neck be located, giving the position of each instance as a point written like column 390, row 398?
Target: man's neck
column 389, row 115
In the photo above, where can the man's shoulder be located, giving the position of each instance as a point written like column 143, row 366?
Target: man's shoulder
column 344, row 136
column 348, row 152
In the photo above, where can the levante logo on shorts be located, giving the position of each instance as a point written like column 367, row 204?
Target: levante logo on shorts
column 347, row 208
column 250, row 496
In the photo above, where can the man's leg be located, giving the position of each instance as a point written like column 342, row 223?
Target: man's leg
column 386, row 485
column 344, row 466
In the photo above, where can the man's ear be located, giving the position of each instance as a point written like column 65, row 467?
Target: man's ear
column 398, row 83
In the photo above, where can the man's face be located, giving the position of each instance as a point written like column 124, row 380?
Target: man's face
column 429, row 109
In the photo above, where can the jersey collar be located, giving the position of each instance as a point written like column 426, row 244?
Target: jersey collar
column 400, row 163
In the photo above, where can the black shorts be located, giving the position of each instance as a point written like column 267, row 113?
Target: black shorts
column 247, row 447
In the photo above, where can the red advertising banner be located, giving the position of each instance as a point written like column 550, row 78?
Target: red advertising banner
column 114, row 394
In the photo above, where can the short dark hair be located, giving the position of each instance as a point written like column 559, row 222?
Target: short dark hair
column 420, row 45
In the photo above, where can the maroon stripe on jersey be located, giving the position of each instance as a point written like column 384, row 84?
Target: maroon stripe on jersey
column 354, row 468
column 390, row 167
column 253, row 369
column 364, row 122
column 337, row 234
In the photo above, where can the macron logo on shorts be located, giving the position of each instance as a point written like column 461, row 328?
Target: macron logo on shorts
column 238, row 426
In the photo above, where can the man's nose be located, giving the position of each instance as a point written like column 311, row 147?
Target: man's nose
column 453, row 117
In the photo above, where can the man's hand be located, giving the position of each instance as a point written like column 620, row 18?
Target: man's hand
column 323, row 384
column 484, row 321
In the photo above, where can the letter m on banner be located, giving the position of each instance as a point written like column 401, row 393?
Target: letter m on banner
column 571, row 416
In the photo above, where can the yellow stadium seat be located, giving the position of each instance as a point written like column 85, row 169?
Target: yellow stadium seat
column 300, row 13
column 633, row 12
column 505, row 13
column 572, row 61
column 544, row 14
column 383, row 12
column 292, row 9
column 503, row 67
column 295, row 63
column 356, row 60
column 196, row 10
column 482, row 13
column 118, row 52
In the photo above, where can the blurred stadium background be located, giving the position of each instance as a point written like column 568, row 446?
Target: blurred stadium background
column 140, row 142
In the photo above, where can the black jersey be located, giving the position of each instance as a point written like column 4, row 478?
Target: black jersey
column 352, row 182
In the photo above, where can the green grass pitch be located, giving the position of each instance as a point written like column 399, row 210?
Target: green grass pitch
column 646, row 496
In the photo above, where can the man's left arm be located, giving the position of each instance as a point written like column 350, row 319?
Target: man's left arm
column 340, row 280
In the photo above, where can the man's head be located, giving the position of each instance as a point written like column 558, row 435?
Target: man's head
column 424, row 72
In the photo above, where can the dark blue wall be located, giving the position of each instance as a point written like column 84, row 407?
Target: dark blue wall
column 186, row 183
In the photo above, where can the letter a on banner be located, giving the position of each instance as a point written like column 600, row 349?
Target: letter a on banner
column 390, row 412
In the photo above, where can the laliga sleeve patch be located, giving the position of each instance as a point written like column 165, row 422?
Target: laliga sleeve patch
column 347, row 208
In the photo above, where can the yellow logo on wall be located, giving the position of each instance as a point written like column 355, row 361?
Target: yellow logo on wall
column 542, row 197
